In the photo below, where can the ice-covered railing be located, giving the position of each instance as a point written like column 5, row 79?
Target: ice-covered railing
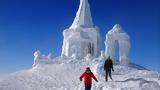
column 42, row 59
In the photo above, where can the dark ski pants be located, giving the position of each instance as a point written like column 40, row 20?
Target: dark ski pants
column 108, row 72
column 88, row 86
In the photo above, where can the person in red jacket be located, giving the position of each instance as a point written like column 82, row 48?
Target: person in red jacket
column 88, row 75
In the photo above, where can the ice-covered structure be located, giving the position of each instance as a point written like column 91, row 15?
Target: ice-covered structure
column 41, row 59
column 116, row 38
column 82, row 38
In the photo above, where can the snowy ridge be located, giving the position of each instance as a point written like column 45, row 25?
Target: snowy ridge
column 64, row 74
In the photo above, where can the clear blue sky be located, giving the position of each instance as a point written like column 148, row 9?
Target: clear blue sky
column 28, row 25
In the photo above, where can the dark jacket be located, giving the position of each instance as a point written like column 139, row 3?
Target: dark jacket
column 108, row 65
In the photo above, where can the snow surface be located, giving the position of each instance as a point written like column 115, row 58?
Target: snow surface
column 63, row 74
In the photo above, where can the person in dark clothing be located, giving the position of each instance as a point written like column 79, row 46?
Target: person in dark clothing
column 88, row 75
column 107, row 67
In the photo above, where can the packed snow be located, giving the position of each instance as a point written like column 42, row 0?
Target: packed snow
column 63, row 74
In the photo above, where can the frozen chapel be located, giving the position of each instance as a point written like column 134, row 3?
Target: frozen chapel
column 83, row 38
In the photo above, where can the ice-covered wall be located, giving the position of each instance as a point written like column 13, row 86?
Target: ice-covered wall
column 116, row 38
column 82, row 37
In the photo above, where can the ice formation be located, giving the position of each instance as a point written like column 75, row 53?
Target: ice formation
column 103, row 55
column 39, row 58
column 83, row 17
column 116, row 38
column 82, row 37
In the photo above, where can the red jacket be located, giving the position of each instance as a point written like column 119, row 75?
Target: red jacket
column 88, row 77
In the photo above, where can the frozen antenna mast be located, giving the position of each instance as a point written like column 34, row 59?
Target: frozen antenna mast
column 82, row 37
column 83, row 16
column 159, row 76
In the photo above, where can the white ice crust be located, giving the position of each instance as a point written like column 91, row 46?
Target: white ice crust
column 40, row 59
column 82, row 37
column 117, row 38
column 64, row 74
column 83, row 17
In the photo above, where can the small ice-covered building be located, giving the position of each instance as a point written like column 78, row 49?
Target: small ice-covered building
column 82, row 37
column 117, row 38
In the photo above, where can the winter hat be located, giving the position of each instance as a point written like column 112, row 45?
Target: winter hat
column 88, row 69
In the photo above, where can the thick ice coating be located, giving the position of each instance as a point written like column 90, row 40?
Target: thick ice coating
column 83, row 16
column 82, row 37
column 116, row 38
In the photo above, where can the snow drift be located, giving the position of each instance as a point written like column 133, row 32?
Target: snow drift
column 63, row 74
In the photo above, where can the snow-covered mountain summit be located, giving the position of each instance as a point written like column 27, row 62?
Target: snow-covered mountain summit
column 63, row 74
column 81, row 49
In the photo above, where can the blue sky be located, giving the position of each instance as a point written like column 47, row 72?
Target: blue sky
column 28, row 25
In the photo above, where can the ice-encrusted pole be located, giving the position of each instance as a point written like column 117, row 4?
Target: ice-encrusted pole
column 158, row 75
column 37, row 54
column 82, row 37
